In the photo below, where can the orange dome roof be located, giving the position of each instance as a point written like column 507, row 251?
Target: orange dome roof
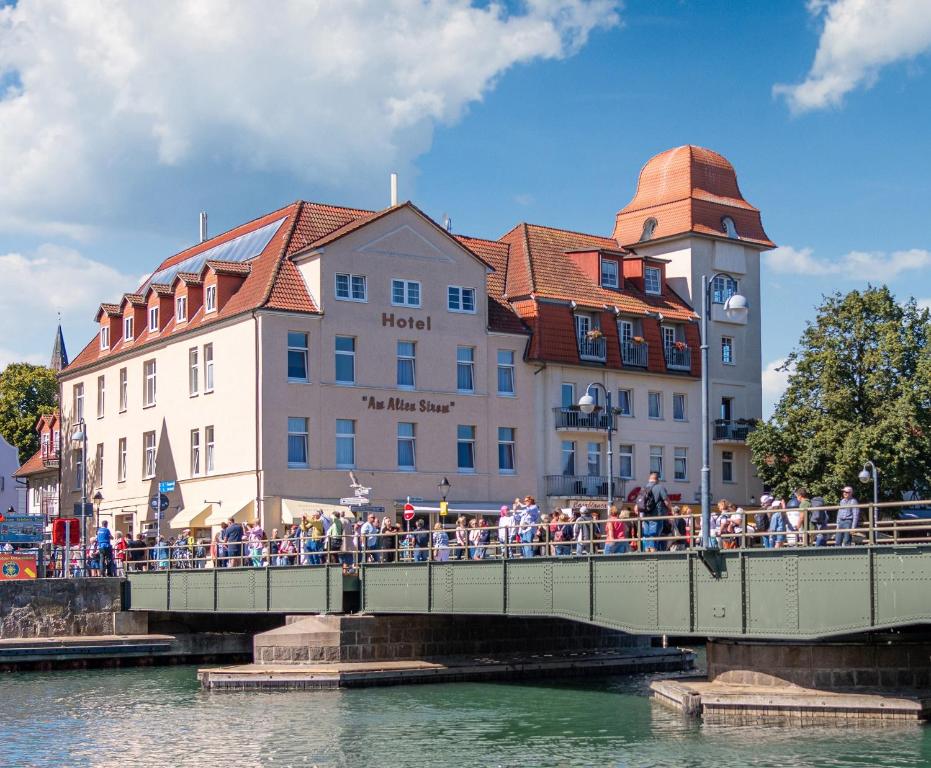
column 688, row 189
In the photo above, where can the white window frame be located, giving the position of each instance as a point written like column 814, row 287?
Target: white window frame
column 465, row 364
column 680, row 454
column 98, row 466
column 105, row 337
column 658, row 461
column 153, row 319
column 506, row 366
column 567, row 452
column 625, row 451
column 653, row 280
column 124, row 389
column 406, row 358
column 629, row 413
column 345, row 435
column 626, row 330
column 121, row 457
column 727, row 460
column 351, row 354
column 304, row 351
column 128, row 329
column 150, row 383
column 405, row 286
column 181, row 309
column 509, row 444
column 299, row 427
column 656, row 397
column 405, row 440
column 149, row 455
column 195, row 453
column 722, row 288
column 77, row 400
column 605, row 282
column 208, row 368
column 670, row 336
column 456, row 299
column 101, row 396
column 727, row 351
column 193, row 371
column 466, row 441
column 209, row 450
column 210, row 298
column 352, row 281
column 680, row 396
column 593, row 458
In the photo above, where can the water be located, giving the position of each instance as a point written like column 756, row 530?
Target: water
column 160, row 717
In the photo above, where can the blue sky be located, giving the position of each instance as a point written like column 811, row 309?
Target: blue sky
column 115, row 130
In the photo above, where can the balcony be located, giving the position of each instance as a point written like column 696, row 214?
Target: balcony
column 634, row 354
column 572, row 418
column 733, row 431
column 49, row 458
column 678, row 358
column 585, row 486
column 591, row 347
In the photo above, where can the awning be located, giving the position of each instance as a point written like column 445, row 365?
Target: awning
column 241, row 513
column 293, row 509
column 191, row 517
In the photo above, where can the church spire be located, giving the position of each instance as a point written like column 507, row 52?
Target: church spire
column 59, row 353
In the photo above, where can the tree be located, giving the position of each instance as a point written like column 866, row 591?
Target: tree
column 859, row 388
column 26, row 392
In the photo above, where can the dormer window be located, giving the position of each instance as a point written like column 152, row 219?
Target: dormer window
column 127, row 328
column 652, row 280
column 181, row 309
column 649, row 226
column 105, row 337
column 609, row 273
column 722, row 288
column 730, row 229
column 153, row 319
column 210, row 298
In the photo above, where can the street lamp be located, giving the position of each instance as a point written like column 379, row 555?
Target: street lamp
column 865, row 476
column 98, row 497
column 443, row 488
column 79, row 438
column 587, row 406
column 736, row 308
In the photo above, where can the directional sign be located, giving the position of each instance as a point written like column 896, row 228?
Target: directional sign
column 360, row 491
column 159, row 503
column 408, row 512
column 353, row 501
column 166, row 486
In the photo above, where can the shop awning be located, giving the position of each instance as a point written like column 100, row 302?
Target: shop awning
column 293, row 509
column 241, row 513
column 191, row 517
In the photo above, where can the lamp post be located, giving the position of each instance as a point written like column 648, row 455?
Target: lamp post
column 587, row 406
column 865, row 476
column 79, row 437
column 736, row 307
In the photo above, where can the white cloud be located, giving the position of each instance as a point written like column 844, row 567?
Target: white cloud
column 8, row 356
column 924, row 304
column 112, row 97
column 858, row 39
column 775, row 380
column 855, row 265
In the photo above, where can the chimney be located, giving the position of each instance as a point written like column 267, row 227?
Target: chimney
column 394, row 189
column 203, row 226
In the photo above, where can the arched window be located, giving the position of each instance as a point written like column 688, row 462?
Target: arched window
column 730, row 229
column 722, row 288
column 648, row 227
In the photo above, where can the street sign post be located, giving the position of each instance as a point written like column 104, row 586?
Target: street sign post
column 353, row 501
column 408, row 512
column 159, row 504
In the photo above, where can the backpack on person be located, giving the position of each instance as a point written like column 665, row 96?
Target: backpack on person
column 818, row 516
column 646, row 502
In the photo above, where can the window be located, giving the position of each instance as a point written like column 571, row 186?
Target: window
column 124, row 389
column 195, row 452
column 465, row 448
column 655, row 405
column 567, row 394
column 680, row 463
column 678, row 407
column 626, row 329
column 465, row 369
column 297, row 357
column 594, row 458
column 406, row 364
column 98, row 466
column 669, row 336
column 656, row 460
column 407, row 455
column 351, row 287
column 148, row 455
column 722, row 288
column 105, row 337
column 727, row 466
column 148, row 396
column 506, row 455
column 568, row 457
column 727, row 224
column 345, row 360
column 460, row 299
column 208, row 368
column 652, row 280
column 127, row 329
column 505, row 372
column 210, row 298
column 121, row 461
column 625, row 467
column 101, row 396
column 193, row 364
column 583, row 324
column 625, row 402
column 727, row 350
column 345, row 443
column 79, row 469
column 153, row 319
column 649, row 226
column 297, row 443
column 209, row 445
column 405, row 293
column 181, row 309
column 609, row 273
column 78, row 402
column 727, row 408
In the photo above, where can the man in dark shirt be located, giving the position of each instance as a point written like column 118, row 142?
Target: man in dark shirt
column 234, row 544
column 653, row 528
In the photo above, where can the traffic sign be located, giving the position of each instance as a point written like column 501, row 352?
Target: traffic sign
column 444, row 508
column 353, row 501
column 159, row 502
column 408, row 512
column 166, row 486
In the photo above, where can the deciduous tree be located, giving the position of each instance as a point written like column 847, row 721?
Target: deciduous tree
column 26, row 392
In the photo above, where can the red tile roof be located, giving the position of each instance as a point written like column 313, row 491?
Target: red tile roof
column 33, row 466
column 236, row 268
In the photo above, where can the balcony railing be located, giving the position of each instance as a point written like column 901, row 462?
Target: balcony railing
column 573, row 418
column 678, row 358
column 49, row 458
column 635, row 354
column 591, row 348
column 733, row 430
column 586, row 486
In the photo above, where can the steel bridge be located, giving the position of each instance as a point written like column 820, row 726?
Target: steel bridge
column 790, row 593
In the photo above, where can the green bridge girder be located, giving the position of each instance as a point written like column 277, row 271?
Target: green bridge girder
column 794, row 594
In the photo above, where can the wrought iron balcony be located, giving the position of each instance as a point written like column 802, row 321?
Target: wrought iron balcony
column 634, row 354
column 735, row 431
column 50, row 458
column 586, row 486
column 591, row 347
column 573, row 418
column 678, row 358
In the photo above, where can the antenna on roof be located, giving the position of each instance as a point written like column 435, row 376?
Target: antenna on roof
column 447, row 223
column 394, row 189
column 203, row 226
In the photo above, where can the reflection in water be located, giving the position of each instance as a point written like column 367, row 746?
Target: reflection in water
column 160, row 717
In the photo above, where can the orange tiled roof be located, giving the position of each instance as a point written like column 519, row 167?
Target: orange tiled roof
column 501, row 316
column 33, row 466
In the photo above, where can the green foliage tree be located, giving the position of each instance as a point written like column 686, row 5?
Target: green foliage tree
column 859, row 388
column 26, row 392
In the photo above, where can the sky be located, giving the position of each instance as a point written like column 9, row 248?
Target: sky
column 119, row 122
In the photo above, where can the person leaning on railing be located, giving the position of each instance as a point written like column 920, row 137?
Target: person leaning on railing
column 848, row 517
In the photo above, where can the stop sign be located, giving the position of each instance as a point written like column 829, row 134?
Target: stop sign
column 408, row 512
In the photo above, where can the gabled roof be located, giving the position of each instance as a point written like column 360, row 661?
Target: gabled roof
column 33, row 466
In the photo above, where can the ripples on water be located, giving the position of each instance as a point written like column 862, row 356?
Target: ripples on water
column 160, row 717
